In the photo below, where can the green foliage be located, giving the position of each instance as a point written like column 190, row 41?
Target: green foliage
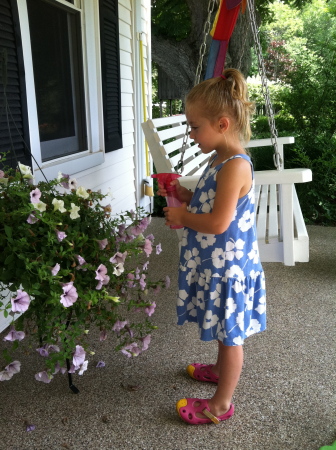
column 168, row 12
column 305, row 105
column 69, row 264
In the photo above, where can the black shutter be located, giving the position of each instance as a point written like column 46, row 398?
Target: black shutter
column 109, row 38
column 14, row 118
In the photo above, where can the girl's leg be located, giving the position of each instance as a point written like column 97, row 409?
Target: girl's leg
column 230, row 364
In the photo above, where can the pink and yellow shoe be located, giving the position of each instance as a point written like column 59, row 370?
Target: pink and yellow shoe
column 202, row 372
column 195, row 411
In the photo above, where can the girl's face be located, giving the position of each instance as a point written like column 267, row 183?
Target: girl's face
column 204, row 133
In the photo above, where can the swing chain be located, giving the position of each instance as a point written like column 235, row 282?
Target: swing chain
column 202, row 50
column 269, row 108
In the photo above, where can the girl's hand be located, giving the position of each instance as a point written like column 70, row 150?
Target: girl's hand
column 174, row 216
column 162, row 191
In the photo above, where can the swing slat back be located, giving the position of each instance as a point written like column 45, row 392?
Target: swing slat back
column 281, row 230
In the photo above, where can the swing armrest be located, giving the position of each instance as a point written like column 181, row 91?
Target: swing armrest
column 189, row 182
column 285, row 176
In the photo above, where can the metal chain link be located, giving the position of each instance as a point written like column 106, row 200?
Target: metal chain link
column 269, row 108
column 202, row 50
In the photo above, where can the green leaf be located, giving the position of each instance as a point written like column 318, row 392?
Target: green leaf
column 8, row 231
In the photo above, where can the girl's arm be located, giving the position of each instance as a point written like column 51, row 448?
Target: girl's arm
column 184, row 195
column 234, row 181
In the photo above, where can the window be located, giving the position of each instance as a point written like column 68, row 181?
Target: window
column 58, row 74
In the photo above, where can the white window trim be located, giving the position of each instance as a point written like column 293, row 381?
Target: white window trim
column 94, row 155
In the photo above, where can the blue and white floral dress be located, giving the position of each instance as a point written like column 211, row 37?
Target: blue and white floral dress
column 221, row 280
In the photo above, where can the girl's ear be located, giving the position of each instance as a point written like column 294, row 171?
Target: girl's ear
column 223, row 124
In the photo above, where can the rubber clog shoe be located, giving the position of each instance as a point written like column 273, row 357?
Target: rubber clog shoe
column 202, row 372
column 188, row 408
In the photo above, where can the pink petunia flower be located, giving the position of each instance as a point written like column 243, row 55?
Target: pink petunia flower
column 21, row 302
column 102, row 244
column 118, row 258
column 10, row 370
column 119, row 325
column 103, row 335
column 145, row 342
column 78, row 356
column 142, row 282
column 35, row 195
column 149, row 310
column 131, row 350
column 167, row 282
column 43, row 376
column 55, row 269
column 105, row 281
column 60, row 235
column 148, row 247
column 43, row 351
column 101, row 272
column 32, row 219
column 14, row 335
column 69, row 295
column 81, row 260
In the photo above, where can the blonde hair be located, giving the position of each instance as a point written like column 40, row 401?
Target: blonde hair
column 226, row 95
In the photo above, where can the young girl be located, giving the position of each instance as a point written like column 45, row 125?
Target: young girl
column 221, row 280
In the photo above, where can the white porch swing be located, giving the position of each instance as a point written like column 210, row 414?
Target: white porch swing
column 281, row 230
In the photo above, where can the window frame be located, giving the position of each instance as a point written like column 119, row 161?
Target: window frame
column 94, row 154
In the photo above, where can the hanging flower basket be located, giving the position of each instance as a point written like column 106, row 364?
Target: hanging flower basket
column 70, row 264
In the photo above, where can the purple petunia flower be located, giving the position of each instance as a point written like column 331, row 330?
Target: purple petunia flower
column 55, row 269
column 105, row 281
column 142, row 282
column 43, row 376
column 14, row 335
column 83, row 367
column 69, row 295
column 81, row 260
column 145, row 342
column 102, row 244
column 148, row 247
column 131, row 350
column 158, row 249
column 21, row 302
column 35, row 195
column 167, row 282
column 10, row 370
column 119, row 325
column 58, row 368
column 65, row 183
column 145, row 266
column 30, row 427
column 32, row 219
column 101, row 272
column 118, row 258
column 60, row 235
column 149, row 310
column 43, row 351
column 103, row 335
column 100, row 364
column 78, row 356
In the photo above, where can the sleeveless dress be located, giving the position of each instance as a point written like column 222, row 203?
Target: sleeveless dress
column 221, row 280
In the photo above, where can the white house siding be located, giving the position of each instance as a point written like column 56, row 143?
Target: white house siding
column 124, row 170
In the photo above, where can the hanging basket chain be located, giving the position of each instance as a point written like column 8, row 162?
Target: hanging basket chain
column 269, row 108
column 202, row 50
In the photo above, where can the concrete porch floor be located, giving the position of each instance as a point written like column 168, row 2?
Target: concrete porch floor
column 285, row 398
